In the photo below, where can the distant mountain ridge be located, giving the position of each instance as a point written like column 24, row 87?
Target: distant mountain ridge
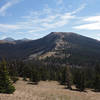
column 8, row 39
column 77, row 46
column 13, row 41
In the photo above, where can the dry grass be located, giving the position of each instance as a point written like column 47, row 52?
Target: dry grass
column 47, row 91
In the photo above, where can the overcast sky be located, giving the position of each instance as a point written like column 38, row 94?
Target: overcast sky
column 36, row 18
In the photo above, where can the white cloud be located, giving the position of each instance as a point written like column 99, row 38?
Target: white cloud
column 59, row 2
column 60, row 21
column 79, row 9
column 41, row 21
column 92, row 23
column 7, row 27
column 4, row 8
column 7, row 5
column 92, row 19
column 50, row 21
column 3, row 37
column 92, row 26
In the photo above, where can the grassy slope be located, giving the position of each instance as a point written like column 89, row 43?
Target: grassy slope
column 47, row 91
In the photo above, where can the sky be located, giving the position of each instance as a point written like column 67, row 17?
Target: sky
column 34, row 19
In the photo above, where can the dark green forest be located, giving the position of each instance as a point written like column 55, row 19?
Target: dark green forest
column 82, row 76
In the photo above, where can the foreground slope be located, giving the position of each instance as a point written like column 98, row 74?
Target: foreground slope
column 47, row 90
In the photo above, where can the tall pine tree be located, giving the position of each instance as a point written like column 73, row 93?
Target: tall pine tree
column 80, row 80
column 5, row 81
column 69, row 77
column 96, row 83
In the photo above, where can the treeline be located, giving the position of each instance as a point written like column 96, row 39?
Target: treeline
column 81, row 76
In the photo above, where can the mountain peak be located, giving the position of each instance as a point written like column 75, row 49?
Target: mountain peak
column 76, row 45
column 63, row 33
column 25, row 39
column 9, row 39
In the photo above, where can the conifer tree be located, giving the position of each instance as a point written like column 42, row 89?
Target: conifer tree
column 66, row 78
column 63, row 76
column 96, row 83
column 5, row 81
column 80, row 80
column 69, row 77
column 35, row 76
